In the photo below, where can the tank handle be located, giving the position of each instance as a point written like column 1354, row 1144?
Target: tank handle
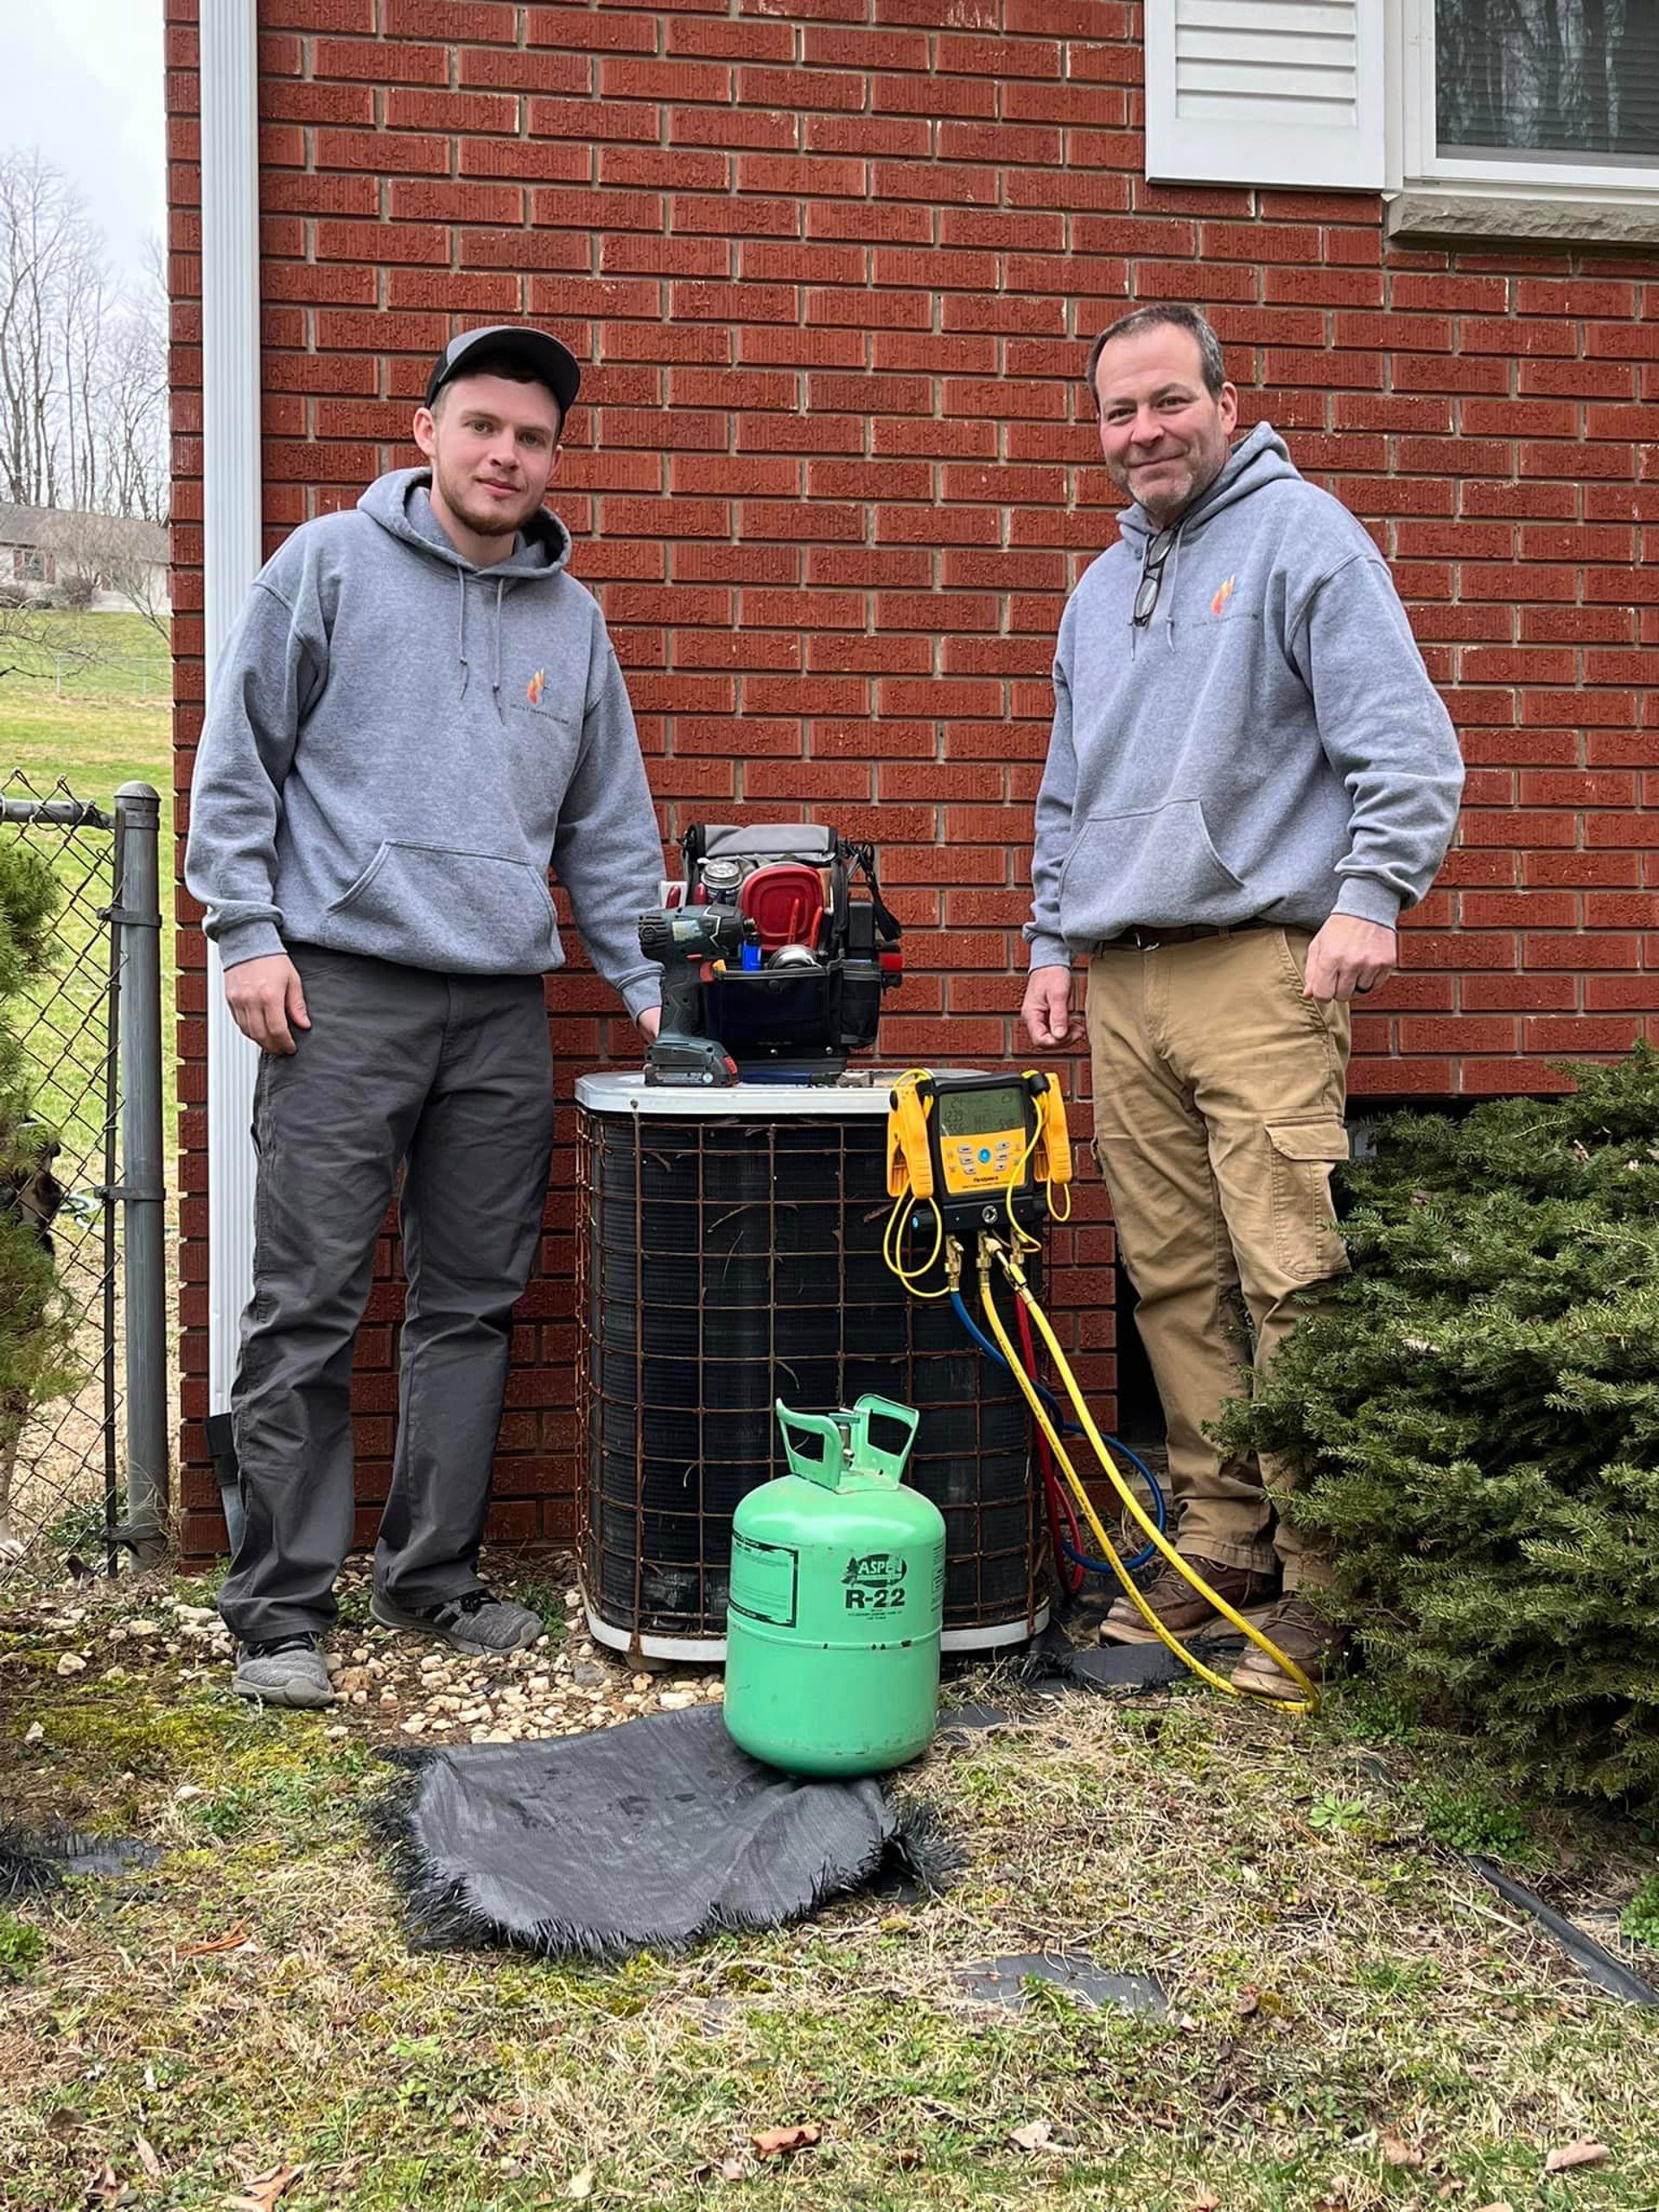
column 883, row 1432
column 815, row 1444
column 872, row 1441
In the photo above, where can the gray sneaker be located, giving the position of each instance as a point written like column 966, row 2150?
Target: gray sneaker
column 476, row 1622
column 289, row 1670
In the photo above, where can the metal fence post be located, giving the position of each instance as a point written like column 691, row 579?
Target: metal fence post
column 138, row 915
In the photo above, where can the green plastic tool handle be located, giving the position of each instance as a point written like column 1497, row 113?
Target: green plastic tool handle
column 822, row 1449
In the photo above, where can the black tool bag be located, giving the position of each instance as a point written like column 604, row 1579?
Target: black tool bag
column 782, row 1014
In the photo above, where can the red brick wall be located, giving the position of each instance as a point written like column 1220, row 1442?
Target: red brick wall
column 832, row 268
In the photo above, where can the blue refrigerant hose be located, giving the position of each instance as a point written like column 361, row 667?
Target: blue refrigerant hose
column 1160, row 1507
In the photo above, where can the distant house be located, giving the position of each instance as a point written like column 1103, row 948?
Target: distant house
column 49, row 553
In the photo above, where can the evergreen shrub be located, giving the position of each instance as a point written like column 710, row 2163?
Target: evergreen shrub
column 1474, row 1413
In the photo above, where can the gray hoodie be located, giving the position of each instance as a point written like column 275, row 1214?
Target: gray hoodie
column 1269, row 747
column 399, row 743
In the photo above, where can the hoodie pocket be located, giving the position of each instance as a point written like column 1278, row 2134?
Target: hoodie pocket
column 1158, row 867
column 460, row 912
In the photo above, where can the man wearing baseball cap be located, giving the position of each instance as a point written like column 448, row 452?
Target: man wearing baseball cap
column 419, row 713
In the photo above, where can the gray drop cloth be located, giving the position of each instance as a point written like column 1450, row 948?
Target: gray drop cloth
column 646, row 1836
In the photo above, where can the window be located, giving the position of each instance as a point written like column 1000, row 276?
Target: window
column 1562, row 94
column 30, row 566
column 1490, row 117
column 1575, row 78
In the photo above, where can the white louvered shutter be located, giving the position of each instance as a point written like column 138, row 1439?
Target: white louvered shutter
column 1265, row 92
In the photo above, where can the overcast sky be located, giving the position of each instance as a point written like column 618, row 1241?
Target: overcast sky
column 82, row 81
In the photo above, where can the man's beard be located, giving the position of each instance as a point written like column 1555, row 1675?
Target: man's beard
column 1172, row 504
column 485, row 516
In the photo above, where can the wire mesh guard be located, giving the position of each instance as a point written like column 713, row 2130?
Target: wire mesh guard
column 725, row 1263
column 60, row 1477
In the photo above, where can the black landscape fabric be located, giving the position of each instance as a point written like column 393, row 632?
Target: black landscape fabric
column 33, row 1861
column 646, row 1836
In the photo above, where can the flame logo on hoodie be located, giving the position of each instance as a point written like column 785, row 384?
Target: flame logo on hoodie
column 1222, row 597
column 536, row 686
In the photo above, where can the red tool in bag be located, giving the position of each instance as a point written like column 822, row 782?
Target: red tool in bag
column 826, row 946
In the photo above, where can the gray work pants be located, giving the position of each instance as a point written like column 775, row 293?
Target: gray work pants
column 451, row 1077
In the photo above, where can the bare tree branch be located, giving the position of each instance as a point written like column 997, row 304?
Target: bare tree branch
column 51, row 273
column 83, row 367
column 33, row 642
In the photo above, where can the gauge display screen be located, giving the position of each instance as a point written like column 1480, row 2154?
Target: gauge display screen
column 981, row 1113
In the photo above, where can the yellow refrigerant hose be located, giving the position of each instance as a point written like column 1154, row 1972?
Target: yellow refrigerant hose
column 990, row 1247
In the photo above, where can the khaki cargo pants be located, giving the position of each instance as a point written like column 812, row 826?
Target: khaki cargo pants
column 1218, row 1114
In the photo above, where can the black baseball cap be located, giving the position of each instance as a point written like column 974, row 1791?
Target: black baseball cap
column 548, row 361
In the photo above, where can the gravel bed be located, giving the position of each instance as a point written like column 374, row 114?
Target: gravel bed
column 392, row 1685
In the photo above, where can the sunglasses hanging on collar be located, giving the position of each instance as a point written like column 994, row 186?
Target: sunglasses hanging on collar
column 1152, row 577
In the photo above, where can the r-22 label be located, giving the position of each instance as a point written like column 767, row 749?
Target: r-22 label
column 874, row 1582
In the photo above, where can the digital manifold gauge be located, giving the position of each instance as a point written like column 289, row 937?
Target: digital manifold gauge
column 980, row 1146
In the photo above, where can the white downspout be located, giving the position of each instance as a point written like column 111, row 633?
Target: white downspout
column 231, row 506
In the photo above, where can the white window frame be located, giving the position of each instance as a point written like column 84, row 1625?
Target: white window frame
column 1415, row 156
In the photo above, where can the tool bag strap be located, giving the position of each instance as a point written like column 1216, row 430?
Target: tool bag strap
column 862, row 858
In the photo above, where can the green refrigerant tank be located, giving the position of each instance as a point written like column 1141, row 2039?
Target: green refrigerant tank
column 837, row 1599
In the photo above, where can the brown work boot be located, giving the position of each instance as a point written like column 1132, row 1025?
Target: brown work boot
column 1183, row 1611
column 1303, row 1633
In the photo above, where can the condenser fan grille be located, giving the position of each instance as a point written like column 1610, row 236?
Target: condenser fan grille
column 726, row 1263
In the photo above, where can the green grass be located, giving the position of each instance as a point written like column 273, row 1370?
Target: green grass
column 92, row 659
column 100, row 734
column 1355, row 2021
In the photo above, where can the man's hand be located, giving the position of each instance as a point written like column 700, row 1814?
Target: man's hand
column 267, row 1002
column 648, row 1022
column 1349, row 955
column 1046, row 1009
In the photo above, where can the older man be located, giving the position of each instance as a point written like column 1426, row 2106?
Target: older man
column 1249, row 776
column 419, row 711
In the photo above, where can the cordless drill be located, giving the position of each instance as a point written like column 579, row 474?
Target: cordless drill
column 692, row 944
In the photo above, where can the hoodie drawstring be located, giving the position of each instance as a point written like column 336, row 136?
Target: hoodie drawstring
column 460, row 637
column 1169, row 591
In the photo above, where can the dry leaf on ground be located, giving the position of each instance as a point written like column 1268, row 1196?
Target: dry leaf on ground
column 232, row 1940
column 1205, row 2201
column 1398, row 2152
column 1582, row 2152
column 147, row 2157
column 106, row 2187
column 1033, row 2136
column 774, row 2142
column 261, row 2191
column 580, row 2185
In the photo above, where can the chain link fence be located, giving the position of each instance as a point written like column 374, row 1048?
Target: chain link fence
column 83, row 1340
